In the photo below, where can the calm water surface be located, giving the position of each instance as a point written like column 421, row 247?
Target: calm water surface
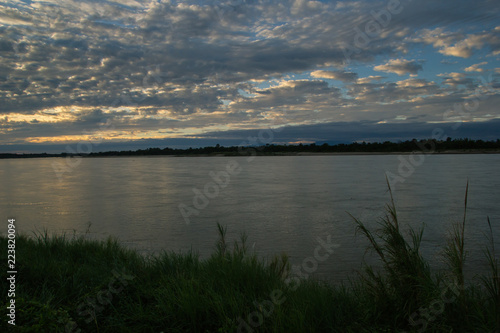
column 281, row 203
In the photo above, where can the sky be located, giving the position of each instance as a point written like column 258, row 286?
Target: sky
column 127, row 74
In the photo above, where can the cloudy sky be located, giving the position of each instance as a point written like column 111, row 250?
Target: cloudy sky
column 130, row 74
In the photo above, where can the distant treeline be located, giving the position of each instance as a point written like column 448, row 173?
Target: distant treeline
column 430, row 145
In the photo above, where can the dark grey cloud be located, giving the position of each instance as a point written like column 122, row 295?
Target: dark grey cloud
column 347, row 132
column 332, row 133
column 457, row 79
column 400, row 66
column 390, row 92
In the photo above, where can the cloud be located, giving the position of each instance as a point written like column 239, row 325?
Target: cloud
column 291, row 96
column 475, row 67
column 335, row 75
column 332, row 133
column 458, row 44
column 456, row 79
column 370, row 78
column 369, row 131
column 393, row 93
column 400, row 67
column 303, row 6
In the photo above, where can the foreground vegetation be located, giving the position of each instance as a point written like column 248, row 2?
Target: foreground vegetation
column 73, row 284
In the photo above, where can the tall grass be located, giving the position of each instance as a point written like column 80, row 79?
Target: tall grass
column 406, row 281
column 406, row 288
column 454, row 251
column 492, row 282
column 63, row 280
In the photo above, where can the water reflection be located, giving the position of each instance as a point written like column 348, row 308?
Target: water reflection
column 281, row 203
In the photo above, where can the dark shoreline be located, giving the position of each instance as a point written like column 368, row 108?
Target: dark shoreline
column 429, row 146
column 448, row 152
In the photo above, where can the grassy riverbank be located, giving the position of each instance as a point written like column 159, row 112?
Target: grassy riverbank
column 67, row 284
